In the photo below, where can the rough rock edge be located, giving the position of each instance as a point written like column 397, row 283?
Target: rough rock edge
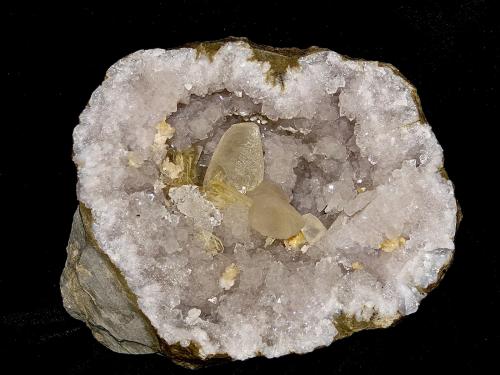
column 280, row 60
column 79, row 303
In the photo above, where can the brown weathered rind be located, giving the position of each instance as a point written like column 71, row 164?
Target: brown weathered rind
column 190, row 357
column 280, row 59
column 347, row 325
column 80, row 300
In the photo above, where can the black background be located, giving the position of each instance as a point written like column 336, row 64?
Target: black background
column 57, row 56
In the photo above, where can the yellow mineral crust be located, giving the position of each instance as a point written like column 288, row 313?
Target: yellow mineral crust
column 229, row 276
column 357, row 266
column 180, row 167
column 389, row 245
column 164, row 131
column 170, row 169
column 296, row 241
column 211, row 243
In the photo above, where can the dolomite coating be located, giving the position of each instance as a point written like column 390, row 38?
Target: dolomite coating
column 171, row 271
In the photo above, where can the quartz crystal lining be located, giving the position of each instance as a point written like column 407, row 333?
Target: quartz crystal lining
column 328, row 211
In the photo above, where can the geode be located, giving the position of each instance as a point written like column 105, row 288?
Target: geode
column 239, row 200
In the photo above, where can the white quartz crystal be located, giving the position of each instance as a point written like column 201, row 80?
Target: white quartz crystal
column 345, row 142
column 190, row 202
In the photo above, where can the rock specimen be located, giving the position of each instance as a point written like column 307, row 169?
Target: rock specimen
column 239, row 200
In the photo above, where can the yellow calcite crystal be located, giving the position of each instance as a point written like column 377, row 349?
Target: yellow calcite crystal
column 235, row 174
column 390, row 245
column 270, row 213
column 239, row 157
column 313, row 228
column 229, row 276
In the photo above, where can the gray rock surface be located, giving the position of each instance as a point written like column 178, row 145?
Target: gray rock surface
column 94, row 292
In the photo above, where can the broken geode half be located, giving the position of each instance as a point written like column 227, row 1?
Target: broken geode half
column 240, row 200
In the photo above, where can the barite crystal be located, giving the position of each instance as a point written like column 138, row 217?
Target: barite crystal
column 239, row 200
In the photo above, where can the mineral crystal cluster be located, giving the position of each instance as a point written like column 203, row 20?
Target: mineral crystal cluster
column 239, row 201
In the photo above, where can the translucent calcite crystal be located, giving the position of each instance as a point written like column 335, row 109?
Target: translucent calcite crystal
column 313, row 228
column 238, row 200
column 238, row 161
column 239, row 157
column 271, row 214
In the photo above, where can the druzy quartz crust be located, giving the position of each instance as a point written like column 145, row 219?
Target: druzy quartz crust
column 239, row 200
